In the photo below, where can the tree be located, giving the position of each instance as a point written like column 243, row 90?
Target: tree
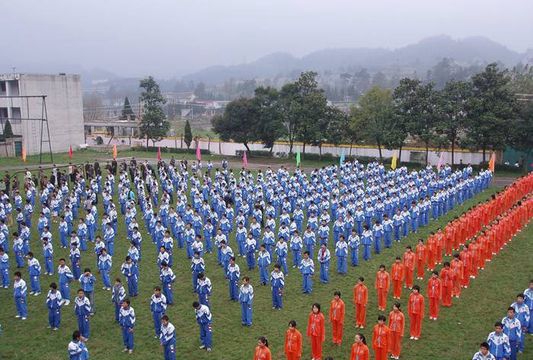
column 187, row 134
column 373, row 112
column 127, row 111
column 289, row 111
column 8, row 130
column 269, row 126
column 335, row 125
column 238, row 123
column 521, row 136
column 154, row 125
column 492, row 106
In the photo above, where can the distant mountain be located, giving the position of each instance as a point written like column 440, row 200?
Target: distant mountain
column 420, row 57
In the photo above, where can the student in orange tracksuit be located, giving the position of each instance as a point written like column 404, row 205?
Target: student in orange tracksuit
column 293, row 342
column 382, row 287
column 473, row 248
column 396, row 326
column 431, row 251
column 457, row 268
column 434, row 295
column 359, row 348
column 439, row 236
column 336, row 317
column 397, row 275
column 421, row 258
column 409, row 259
column 316, row 331
column 446, row 275
column 380, row 338
column 466, row 258
column 262, row 352
column 448, row 238
column 415, row 309
column 360, row 299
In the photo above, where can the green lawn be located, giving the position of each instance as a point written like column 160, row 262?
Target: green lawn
column 456, row 334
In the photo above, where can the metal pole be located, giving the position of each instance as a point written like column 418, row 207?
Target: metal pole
column 48, row 130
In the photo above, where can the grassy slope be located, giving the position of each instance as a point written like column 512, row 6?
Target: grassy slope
column 455, row 335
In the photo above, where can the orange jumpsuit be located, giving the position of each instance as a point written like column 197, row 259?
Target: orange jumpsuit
column 360, row 299
column 439, row 236
column 434, row 292
column 432, row 252
column 457, row 266
column 446, row 275
column 382, row 287
column 380, row 341
column 396, row 326
column 293, row 344
column 421, row 258
column 360, row 352
column 449, row 234
column 466, row 258
column 397, row 274
column 317, row 333
column 409, row 259
column 262, row 353
column 415, row 308
column 336, row 316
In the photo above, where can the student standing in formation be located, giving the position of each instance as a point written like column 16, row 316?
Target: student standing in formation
column 415, row 309
column 118, row 294
column 483, row 353
column 4, row 268
column 130, row 270
column 203, row 318
column 34, row 270
column 447, row 275
column 396, row 326
column 499, row 343
column 528, row 298
column 263, row 261
column 307, row 268
column 316, row 331
column 513, row 329
column 421, row 258
column 82, row 309
column 20, row 293
column 381, row 338
column 359, row 348
column 409, row 260
column 104, row 265
column 158, row 307
column 54, row 301
column 341, row 251
column 87, row 281
column 246, row 298
column 77, row 350
column 382, row 287
column 262, row 352
column 204, row 289
column 360, row 299
column 167, row 277
column 233, row 275
column 336, row 317
column 167, row 338
column 293, row 342
column 397, row 275
column 434, row 292
column 127, row 322
column 354, row 242
column 457, row 267
column 277, row 283
column 324, row 257
column 523, row 314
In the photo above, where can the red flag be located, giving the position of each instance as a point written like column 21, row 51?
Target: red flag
column 198, row 152
column 70, row 152
column 492, row 162
column 159, row 153
column 244, row 159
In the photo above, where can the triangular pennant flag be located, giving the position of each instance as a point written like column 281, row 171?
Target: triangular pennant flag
column 70, row 152
column 159, row 153
column 298, row 160
column 492, row 162
column 198, row 152
column 23, row 153
column 393, row 162
column 341, row 160
column 244, row 159
column 441, row 161
column 115, row 151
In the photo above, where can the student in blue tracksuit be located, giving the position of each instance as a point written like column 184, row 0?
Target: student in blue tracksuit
column 54, row 301
column 277, row 281
column 203, row 289
column 341, row 251
column 513, row 329
column 377, row 232
column 263, row 261
column 250, row 247
column 281, row 252
column 387, row 231
column 167, row 338
column 118, row 294
column 483, row 353
column 87, row 282
column 158, row 307
column 4, row 268
column 130, row 270
column 20, row 292
column 523, row 314
column 197, row 267
column 353, row 244
column 528, row 299
column 19, row 249
column 48, row 252
column 323, row 258
column 65, row 277
column 104, row 265
column 246, row 299
column 127, row 323
column 499, row 343
column 397, row 222
column 204, row 319
column 75, row 260
column 307, row 268
column 366, row 241
column 77, row 350
column 240, row 237
column 309, row 241
column 34, row 270
column 233, row 275
column 167, row 277
column 296, row 248
column 82, row 309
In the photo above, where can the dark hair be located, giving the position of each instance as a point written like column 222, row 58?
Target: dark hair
column 264, row 340
column 292, row 323
column 86, row 270
column 53, row 286
column 485, row 345
column 165, row 317
column 127, row 301
column 76, row 335
column 498, row 323
column 362, row 279
column 398, row 305
column 195, row 304
column 363, row 339
column 521, row 296
column 317, row 305
column 382, row 317
column 511, row 308
column 17, row 273
column 338, row 293
column 416, row 287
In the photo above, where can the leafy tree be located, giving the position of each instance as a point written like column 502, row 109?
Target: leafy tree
column 521, row 136
column 187, row 134
column 8, row 130
column 334, row 127
column 154, row 125
column 238, row 123
column 491, row 108
column 289, row 107
column 127, row 111
column 269, row 126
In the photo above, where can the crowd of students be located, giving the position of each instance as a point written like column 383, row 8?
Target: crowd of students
column 367, row 206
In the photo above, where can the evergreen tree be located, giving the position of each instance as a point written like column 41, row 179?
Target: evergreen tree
column 187, row 137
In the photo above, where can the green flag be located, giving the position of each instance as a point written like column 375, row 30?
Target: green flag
column 298, row 158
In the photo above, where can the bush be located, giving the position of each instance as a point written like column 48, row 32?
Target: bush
column 171, row 150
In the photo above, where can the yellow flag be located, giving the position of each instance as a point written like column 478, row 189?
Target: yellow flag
column 492, row 162
column 23, row 153
column 115, row 151
column 393, row 162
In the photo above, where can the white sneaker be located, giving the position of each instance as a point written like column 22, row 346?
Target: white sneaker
column 37, row 294
column 17, row 316
column 202, row 347
column 125, row 350
column 412, row 338
column 208, row 349
column 23, row 318
column 130, row 351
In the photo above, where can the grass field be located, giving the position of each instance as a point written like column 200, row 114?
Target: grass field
column 455, row 336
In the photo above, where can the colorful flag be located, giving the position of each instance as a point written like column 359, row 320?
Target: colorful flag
column 23, row 153
column 244, row 160
column 159, row 153
column 115, row 151
column 298, row 160
column 198, row 152
column 441, row 161
column 341, row 160
column 492, row 162
column 393, row 162
column 70, row 152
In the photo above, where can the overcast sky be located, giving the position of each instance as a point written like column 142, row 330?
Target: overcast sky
column 172, row 37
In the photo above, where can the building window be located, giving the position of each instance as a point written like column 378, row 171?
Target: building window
column 3, row 88
column 16, row 115
column 13, row 88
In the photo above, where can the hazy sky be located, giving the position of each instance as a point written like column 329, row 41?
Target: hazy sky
column 172, row 37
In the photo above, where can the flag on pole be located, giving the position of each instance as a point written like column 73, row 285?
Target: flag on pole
column 341, row 160
column 298, row 160
column 492, row 162
column 198, row 152
column 244, row 159
column 115, row 151
column 393, row 162
column 70, row 152
column 441, row 161
column 23, row 153
column 159, row 153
